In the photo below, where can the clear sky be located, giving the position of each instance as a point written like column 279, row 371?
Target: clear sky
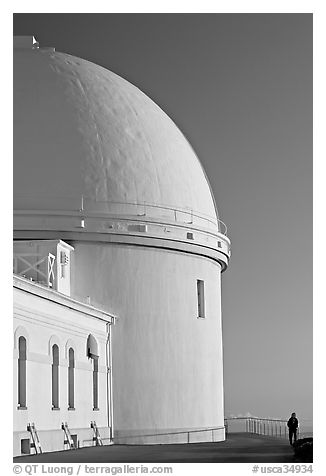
column 239, row 86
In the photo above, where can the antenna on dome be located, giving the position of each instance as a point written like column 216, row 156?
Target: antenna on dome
column 82, row 204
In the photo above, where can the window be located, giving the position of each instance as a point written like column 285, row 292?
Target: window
column 22, row 372
column 55, row 377
column 71, row 380
column 92, row 353
column 95, row 383
column 200, row 299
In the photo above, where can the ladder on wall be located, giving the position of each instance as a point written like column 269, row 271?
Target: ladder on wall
column 68, row 441
column 97, row 437
column 35, row 439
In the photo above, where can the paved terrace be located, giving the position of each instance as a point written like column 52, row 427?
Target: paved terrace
column 238, row 448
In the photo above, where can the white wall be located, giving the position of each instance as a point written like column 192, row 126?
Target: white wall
column 167, row 364
column 43, row 323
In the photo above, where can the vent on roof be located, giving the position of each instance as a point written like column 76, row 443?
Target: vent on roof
column 64, row 258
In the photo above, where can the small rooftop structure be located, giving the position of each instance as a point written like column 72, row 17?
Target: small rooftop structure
column 25, row 42
column 46, row 262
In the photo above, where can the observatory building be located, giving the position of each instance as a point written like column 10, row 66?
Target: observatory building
column 118, row 255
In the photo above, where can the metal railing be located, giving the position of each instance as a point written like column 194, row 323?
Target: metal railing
column 84, row 207
column 186, row 433
column 260, row 426
column 36, row 267
column 263, row 426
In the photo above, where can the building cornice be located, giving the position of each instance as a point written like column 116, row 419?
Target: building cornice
column 61, row 299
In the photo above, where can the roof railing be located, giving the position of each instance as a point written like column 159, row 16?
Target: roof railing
column 35, row 267
column 84, row 206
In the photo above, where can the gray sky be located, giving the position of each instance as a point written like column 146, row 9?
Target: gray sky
column 239, row 86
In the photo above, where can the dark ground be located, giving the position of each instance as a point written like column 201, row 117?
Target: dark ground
column 238, row 448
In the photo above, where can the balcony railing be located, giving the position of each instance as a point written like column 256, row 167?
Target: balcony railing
column 36, row 267
column 86, row 207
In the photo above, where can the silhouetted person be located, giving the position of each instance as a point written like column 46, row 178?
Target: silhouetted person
column 293, row 427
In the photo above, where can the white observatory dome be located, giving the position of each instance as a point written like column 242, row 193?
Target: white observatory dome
column 114, row 216
column 82, row 131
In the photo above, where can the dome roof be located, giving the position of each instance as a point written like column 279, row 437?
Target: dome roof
column 82, row 131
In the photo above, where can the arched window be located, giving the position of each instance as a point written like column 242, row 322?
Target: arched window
column 95, row 383
column 55, row 376
column 22, row 372
column 71, row 379
column 92, row 353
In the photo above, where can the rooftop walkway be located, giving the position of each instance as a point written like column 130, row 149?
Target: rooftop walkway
column 238, row 448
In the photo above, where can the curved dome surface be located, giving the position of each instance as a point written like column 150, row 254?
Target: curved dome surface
column 81, row 130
